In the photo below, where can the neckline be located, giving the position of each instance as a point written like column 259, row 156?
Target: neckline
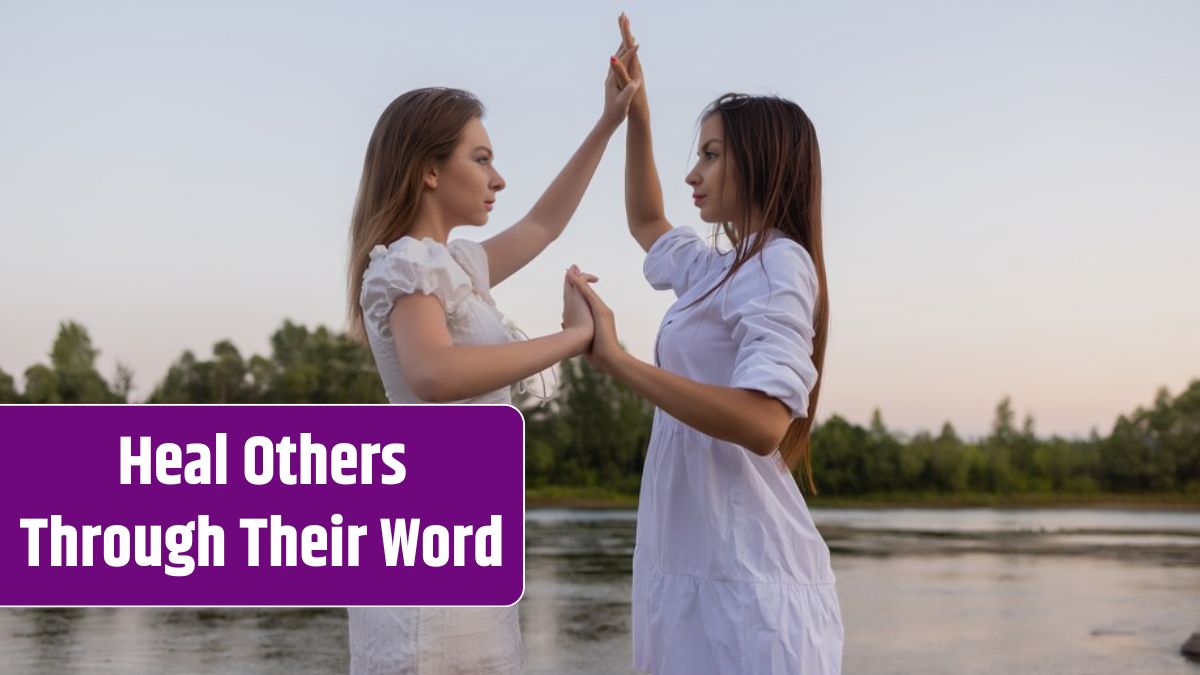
column 422, row 240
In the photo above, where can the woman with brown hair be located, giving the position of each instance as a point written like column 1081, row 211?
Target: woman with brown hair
column 730, row 575
column 424, row 304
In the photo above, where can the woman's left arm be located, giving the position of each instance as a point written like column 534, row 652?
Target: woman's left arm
column 748, row 418
column 517, row 245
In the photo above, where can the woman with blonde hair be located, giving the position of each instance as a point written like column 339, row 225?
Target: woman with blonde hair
column 424, row 304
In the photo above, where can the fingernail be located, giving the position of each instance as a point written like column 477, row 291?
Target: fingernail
column 612, row 59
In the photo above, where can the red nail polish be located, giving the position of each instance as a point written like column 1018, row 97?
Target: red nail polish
column 612, row 59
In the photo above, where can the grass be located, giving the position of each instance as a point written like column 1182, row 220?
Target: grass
column 578, row 497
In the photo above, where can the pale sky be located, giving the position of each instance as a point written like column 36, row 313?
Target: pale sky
column 1011, row 187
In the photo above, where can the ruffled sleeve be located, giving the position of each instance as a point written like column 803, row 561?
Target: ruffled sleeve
column 677, row 259
column 409, row 266
column 472, row 257
column 769, row 305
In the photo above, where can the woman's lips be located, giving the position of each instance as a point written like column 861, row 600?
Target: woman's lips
column 698, row 198
column 488, row 205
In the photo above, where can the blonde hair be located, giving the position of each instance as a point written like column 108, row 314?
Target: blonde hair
column 418, row 129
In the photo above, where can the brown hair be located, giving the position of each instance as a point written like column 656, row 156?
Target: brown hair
column 777, row 168
column 420, row 128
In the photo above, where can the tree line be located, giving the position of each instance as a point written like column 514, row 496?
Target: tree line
column 594, row 431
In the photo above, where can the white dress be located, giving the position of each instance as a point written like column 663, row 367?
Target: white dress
column 432, row 640
column 729, row 572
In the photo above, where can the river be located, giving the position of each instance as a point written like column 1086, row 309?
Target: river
column 931, row 591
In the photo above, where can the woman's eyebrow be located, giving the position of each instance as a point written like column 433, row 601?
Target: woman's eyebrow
column 704, row 146
column 485, row 149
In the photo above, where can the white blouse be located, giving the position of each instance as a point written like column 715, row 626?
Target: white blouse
column 730, row 574
column 432, row 640
column 457, row 275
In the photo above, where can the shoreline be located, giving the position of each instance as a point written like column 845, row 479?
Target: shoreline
column 595, row 499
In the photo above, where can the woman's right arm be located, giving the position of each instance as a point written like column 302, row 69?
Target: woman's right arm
column 643, row 192
column 439, row 371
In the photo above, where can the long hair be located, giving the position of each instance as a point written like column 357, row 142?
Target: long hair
column 777, row 169
column 418, row 129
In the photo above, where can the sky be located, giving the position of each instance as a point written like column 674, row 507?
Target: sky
column 1010, row 196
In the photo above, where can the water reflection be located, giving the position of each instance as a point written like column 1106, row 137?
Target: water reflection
column 51, row 633
column 575, row 613
column 1167, row 538
column 922, row 591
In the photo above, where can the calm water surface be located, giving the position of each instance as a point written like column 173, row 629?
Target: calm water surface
column 922, row 591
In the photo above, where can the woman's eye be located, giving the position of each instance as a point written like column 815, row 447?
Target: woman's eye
column 483, row 160
column 710, row 155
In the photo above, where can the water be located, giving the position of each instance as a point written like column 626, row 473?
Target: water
column 922, row 591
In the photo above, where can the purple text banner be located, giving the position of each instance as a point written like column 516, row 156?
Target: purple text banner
column 300, row 505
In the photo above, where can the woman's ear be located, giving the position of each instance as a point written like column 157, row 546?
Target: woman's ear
column 431, row 178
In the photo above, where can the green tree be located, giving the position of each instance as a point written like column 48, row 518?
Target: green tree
column 1155, row 449
column 73, row 359
column 317, row 366
column 605, row 426
column 320, row 366
column 838, row 457
column 41, row 385
column 1004, row 433
column 8, row 389
column 881, row 458
column 183, row 383
column 1185, row 437
column 916, row 463
column 545, row 432
column 1023, row 447
column 948, row 462
column 71, row 376
column 1001, row 474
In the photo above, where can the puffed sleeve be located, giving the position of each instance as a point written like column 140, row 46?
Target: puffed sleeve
column 472, row 257
column 409, row 266
column 677, row 259
column 769, row 306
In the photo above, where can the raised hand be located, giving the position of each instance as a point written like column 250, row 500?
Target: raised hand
column 633, row 64
column 619, row 87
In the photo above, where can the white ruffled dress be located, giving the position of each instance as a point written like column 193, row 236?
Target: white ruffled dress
column 433, row 640
column 730, row 574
